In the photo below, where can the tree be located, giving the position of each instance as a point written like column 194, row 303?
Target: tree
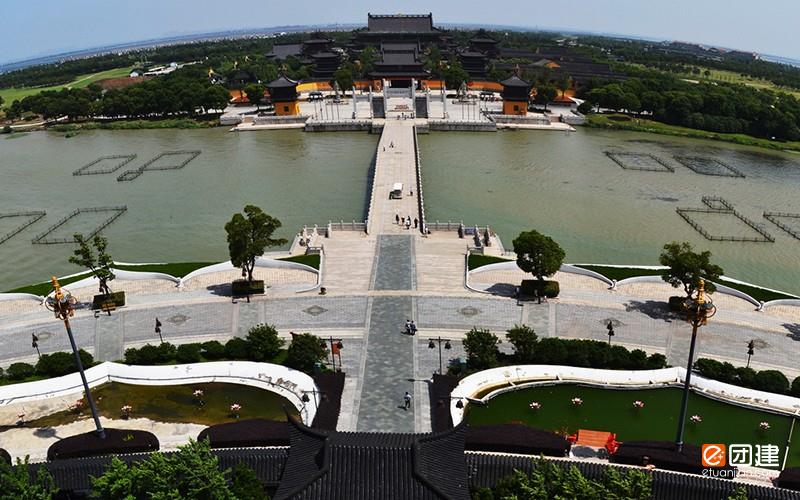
column 524, row 340
column 18, row 483
column 345, row 76
column 305, row 351
column 245, row 484
column 264, row 342
column 99, row 265
column 481, row 346
column 538, row 254
column 454, row 75
column 545, row 94
column 686, row 268
column 249, row 235
column 255, row 93
column 192, row 472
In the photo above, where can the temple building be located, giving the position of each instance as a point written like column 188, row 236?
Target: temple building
column 516, row 93
column 283, row 93
column 474, row 63
column 400, row 28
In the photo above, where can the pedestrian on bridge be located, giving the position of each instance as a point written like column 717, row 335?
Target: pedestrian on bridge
column 416, row 222
column 408, row 223
column 397, row 219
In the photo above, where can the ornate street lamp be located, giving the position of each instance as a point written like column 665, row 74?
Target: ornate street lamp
column 62, row 304
column 610, row 328
column 698, row 310
column 751, row 349
column 432, row 345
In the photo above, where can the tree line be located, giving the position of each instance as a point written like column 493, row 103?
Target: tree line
column 186, row 91
column 715, row 107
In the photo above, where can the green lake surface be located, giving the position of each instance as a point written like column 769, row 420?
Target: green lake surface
column 613, row 411
column 561, row 184
column 176, row 403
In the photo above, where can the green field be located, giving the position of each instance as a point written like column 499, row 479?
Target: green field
column 624, row 122
column 719, row 75
column 175, row 403
column 12, row 94
column 612, row 410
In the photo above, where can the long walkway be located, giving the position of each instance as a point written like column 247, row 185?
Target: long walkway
column 395, row 162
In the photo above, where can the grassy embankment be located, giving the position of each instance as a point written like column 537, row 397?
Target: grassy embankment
column 621, row 273
column 183, row 123
column 12, row 94
column 177, row 269
column 624, row 122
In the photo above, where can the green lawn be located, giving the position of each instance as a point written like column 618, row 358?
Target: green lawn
column 625, row 122
column 476, row 261
column 309, row 260
column 45, row 287
column 612, row 410
column 720, row 75
column 621, row 273
column 9, row 95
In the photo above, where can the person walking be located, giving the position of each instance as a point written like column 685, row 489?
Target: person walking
column 407, row 401
column 408, row 326
column 402, row 221
column 413, row 328
column 397, row 219
column 416, row 222
column 408, row 223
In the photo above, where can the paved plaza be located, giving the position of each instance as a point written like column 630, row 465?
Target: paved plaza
column 377, row 280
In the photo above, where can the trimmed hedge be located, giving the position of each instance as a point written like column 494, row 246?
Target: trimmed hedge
column 20, row 371
column 246, row 433
column 240, row 288
column 764, row 380
column 516, row 438
column 62, row 363
column 117, row 298
column 590, row 354
column 548, row 288
column 89, row 444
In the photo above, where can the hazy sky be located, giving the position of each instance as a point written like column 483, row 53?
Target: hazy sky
column 33, row 28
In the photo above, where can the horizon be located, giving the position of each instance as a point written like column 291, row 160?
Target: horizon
column 624, row 20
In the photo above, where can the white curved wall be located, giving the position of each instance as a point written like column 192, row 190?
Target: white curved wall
column 291, row 384
column 530, row 375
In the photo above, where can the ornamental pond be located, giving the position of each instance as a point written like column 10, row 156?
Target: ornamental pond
column 613, row 410
column 176, row 403
column 562, row 184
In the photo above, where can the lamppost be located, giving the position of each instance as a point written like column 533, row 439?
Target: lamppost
column 158, row 330
column 610, row 328
column 540, row 288
column 35, row 344
column 698, row 311
column 751, row 349
column 62, row 304
column 432, row 345
column 336, row 346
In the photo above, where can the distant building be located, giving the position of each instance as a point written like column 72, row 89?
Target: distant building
column 516, row 93
column 283, row 94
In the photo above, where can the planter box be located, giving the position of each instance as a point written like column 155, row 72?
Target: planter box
column 545, row 288
column 241, row 288
column 117, row 299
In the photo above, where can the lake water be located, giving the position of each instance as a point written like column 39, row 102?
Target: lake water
column 561, row 184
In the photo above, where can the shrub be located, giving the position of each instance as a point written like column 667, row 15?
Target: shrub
column 245, row 484
column 62, row 363
column 656, row 361
column 132, row 356
column 237, row 348
column 240, row 288
column 20, row 371
column 212, row 350
column 795, row 390
column 481, row 346
column 548, row 288
column 150, row 354
column 305, row 352
column 676, row 303
column 187, row 353
column 523, row 338
column 771, row 381
column 264, row 342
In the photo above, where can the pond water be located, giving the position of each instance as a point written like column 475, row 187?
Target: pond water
column 176, row 403
column 561, row 184
column 613, row 411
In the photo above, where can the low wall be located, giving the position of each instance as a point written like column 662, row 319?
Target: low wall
column 465, row 126
column 509, row 378
column 260, row 262
column 338, row 126
column 291, row 384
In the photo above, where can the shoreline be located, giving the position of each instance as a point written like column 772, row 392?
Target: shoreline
column 606, row 122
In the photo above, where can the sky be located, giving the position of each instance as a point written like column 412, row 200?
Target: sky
column 34, row 28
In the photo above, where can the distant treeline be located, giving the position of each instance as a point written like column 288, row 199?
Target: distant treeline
column 716, row 107
column 185, row 92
